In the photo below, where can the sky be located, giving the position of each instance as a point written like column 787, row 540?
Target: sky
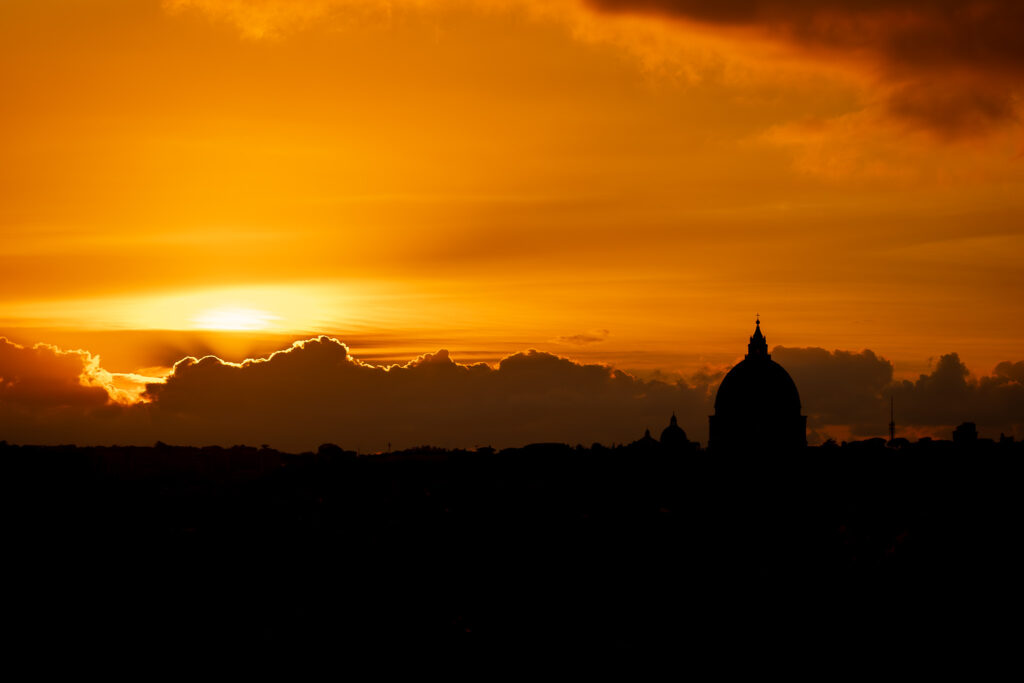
column 616, row 184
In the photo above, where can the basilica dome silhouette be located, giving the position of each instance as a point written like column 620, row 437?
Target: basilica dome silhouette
column 757, row 407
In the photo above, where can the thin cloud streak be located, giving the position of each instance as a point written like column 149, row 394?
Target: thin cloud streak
column 583, row 338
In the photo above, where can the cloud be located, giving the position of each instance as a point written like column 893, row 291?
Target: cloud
column 584, row 338
column 953, row 67
column 840, row 387
column 47, row 394
column 954, row 109
column 852, row 390
column 949, row 70
column 257, row 19
column 949, row 395
column 274, row 19
column 316, row 392
column 1007, row 372
column 45, row 377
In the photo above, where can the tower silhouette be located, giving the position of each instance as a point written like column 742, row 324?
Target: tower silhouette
column 892, row 420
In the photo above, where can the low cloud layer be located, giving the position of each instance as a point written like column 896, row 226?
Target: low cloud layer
column 840, row 387
column 316, row 392
column 853, row 390
column 995, row 402
column 45, row 378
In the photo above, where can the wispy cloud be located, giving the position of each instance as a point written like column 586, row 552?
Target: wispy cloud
column 583, row 338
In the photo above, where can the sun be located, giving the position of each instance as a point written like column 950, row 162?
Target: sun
column 234, row 318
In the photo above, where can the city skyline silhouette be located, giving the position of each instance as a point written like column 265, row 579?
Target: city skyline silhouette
column 317, row 391
column 387, row 331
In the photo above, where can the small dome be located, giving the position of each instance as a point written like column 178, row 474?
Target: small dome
column 673, row 434
column 645, row 442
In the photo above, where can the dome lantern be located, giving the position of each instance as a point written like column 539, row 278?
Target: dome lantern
column 758, row 346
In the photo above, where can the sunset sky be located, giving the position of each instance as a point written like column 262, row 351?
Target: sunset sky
column 617, row 182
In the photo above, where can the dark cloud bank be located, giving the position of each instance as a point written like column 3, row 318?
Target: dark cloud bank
column 953, row 66
column 315, row 392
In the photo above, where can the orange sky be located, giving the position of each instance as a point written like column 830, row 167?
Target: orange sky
column 614, row 181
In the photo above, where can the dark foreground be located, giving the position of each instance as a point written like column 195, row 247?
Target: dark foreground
column 755, row 561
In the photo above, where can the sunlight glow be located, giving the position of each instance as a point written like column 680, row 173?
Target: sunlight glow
column 234, row 319
column 278, row 308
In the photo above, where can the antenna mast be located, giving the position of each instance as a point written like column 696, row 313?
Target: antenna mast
column 892, row 420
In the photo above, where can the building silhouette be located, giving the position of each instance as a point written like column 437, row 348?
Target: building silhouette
column 757, row 407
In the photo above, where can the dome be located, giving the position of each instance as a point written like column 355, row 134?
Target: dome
column 673, row 434
column 757, row 386
column 757, row 407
